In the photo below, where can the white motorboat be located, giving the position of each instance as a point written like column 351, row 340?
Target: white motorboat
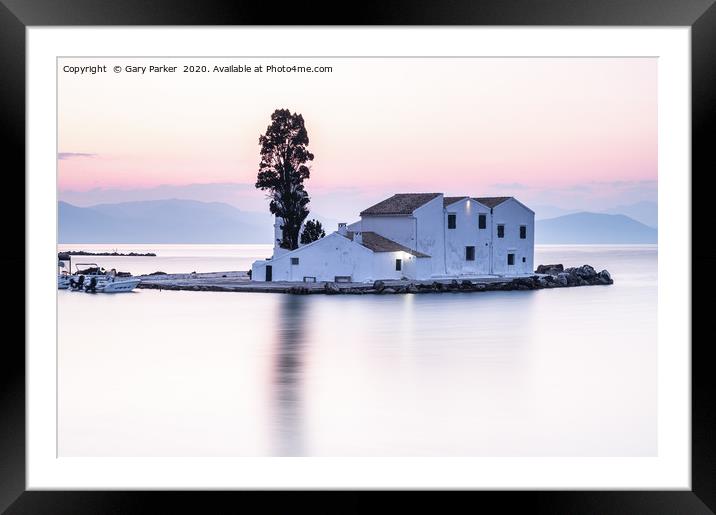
column 91, row 278
column 115, row 284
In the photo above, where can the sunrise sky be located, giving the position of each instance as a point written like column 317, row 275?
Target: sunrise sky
column 560, row 131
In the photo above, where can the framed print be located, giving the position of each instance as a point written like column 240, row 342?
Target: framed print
column 422, row 252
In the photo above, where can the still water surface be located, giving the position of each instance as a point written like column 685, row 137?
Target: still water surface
column 565, row 372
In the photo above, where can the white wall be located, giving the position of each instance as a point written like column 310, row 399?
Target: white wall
column 416, row 268
column 430, row 233
column 355, row 226
column 323, row 259
column 467, row 233
column 336, row 255
column 400, row 229
column 513, row 214
column 384, row 265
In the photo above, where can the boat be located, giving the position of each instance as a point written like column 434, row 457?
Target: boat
column 63, row 274
column 116, row 284
column 91, row 278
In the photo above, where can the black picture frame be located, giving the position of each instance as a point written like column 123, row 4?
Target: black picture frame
column 16, row 15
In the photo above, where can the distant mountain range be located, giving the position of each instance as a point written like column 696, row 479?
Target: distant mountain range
column 162, row 221
column 191, row 221
column 593, row 228
column 645, row 212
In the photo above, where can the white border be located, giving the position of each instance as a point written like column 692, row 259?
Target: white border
column 670, row 470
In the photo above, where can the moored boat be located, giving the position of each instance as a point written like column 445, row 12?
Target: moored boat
column 91, row 278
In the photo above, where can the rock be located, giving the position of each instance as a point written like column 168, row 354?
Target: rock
column 388, row 290
column 544, row 282
column 562, row 279
column 467, row 285
column 604, row 277
column 378, row 286
column 438, row 286
column 572, row 277
column 550, row 269
column 479, row 287
column 331, row 288
column 454, row 285
column 411, row 288
column 523, row 283
column 584, row 271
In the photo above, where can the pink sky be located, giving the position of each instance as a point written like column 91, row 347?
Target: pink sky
column 472, row 126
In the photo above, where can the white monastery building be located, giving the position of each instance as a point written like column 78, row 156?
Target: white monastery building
column 417, row 236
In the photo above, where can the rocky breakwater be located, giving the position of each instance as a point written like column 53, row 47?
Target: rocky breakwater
column 585, row 275
column 546, row 276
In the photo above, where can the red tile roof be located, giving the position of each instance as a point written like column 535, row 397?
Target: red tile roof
column 378, row 243
column 400, row 204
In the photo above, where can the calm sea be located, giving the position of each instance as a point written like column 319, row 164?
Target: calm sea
column 563, row 372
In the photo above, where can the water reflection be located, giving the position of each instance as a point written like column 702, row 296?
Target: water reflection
column 568, row 372
column 287, row 388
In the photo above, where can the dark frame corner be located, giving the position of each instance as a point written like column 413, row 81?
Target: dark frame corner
column 17, row 15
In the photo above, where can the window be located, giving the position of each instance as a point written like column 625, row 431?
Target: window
column 452, row 221
column 469, row 253
column 398, row 265
column 510, row 259
column 294, row 261
column 523, row 232
column 524, row 260
column 482, row 221
column 501, row 231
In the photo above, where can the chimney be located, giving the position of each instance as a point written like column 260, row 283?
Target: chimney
column 342, row 228
column 358, row 237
